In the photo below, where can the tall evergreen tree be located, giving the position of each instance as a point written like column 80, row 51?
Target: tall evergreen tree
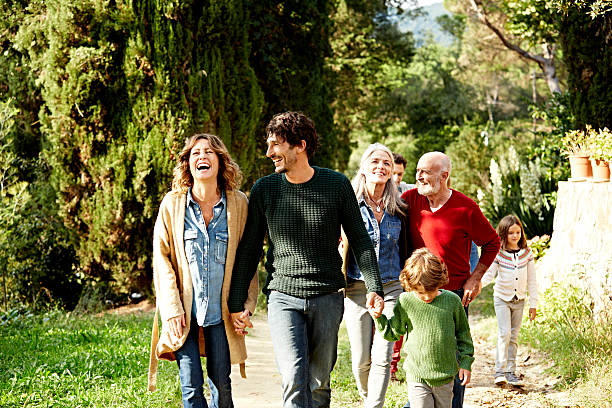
column 290, row 44
column 123, row 84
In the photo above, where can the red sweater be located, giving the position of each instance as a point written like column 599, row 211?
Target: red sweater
column 449, row 231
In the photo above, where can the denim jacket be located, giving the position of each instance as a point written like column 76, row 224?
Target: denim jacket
column 206, row 249
column 385, row 238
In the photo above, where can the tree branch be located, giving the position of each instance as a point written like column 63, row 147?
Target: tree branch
column 479, row 10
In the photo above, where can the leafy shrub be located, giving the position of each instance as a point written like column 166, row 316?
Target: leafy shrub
column 567, row 329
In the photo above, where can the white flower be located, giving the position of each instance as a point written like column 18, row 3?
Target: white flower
column 480, row 196
column 497, row 187
column 513, row 159
column 530, row 187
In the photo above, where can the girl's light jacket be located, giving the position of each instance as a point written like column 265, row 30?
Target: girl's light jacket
column 173, row 285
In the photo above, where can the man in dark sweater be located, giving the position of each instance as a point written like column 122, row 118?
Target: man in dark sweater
column 301, row 208
column 446, row 222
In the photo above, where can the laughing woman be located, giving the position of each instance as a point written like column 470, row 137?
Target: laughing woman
column 382, row 211
column 199, row 225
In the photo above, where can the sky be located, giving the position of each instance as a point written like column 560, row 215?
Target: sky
column 428, row 2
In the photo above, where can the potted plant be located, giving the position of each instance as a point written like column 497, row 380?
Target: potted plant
column 601, row 154
column 576, row 146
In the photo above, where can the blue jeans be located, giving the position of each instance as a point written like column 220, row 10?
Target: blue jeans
column 458, row 389
column 305, row 339
column 218, row 368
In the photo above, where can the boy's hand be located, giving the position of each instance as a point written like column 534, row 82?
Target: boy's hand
column 532, row 313
column 465, row 376
column 375, row 305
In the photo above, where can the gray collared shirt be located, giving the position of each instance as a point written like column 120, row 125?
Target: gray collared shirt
column 206, row 249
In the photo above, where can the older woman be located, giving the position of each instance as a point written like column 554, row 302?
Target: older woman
column 383, row 214
column 196, row 234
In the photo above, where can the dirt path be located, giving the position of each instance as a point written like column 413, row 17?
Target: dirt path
column 538, row 390
column 262, row 387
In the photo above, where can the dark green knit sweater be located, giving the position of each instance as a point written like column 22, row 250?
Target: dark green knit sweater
column 435, row 331
column 303, row 225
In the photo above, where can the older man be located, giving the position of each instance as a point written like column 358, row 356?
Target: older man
column 446, row 222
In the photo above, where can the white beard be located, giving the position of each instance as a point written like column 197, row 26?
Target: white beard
column 428, row 189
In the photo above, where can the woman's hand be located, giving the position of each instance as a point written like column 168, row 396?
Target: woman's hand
column 176, row 325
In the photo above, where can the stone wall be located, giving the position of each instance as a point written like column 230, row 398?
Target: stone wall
column 581, row 244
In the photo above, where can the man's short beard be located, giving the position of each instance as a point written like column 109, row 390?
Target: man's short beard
column 428, row 189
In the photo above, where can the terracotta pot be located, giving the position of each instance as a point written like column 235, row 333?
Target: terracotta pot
column 601, row 169
column 580, row 167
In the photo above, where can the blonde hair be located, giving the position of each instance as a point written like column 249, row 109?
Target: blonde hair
column 229, row 176
column 392, row 202
column 423, row 272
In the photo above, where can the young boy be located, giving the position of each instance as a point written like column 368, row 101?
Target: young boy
column 438, row 343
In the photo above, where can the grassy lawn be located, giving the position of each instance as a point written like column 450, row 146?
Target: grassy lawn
column 59, row 360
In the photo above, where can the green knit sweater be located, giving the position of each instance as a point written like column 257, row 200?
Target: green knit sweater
column 435, row 331
column 303, row 225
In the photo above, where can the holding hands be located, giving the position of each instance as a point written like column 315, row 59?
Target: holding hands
column 241, row 321
column 375, row 304
column 176, row 325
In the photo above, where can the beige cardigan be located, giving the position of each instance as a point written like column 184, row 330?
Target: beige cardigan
column 173, row 285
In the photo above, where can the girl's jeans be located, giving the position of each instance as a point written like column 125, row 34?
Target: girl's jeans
column 218, row 368
column 509, row 318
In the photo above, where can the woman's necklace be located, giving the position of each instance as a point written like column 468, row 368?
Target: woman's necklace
column 377, row 204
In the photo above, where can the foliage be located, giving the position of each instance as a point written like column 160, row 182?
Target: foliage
column 290, row 44
column 119, row 95
column 539, row 245
column 577, row 142
column 587, row 52
column 569, row 332
column 368, row 50
column 518, row 187
column 601, row 144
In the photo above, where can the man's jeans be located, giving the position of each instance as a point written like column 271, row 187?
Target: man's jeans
column 305, row 339
column 218, row 368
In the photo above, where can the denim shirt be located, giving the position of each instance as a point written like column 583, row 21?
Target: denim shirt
column 206, row 249
column 385, row 239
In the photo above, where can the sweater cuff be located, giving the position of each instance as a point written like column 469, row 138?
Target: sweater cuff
column 466, row 363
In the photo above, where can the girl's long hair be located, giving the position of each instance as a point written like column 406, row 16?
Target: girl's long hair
column 392, row 201
column 229, row 176
column 504, row 226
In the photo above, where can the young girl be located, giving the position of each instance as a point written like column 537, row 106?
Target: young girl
column 515, row 271
column 433, row 319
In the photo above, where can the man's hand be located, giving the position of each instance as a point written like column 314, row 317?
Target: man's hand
column 532, row 313
column 375, row 304
column 471, row 289
column 176, row 325
column 241, row 321
column 465, row 376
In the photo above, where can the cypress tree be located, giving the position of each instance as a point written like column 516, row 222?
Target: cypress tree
column 123, row 84
column 290, row 44
column 587, row 54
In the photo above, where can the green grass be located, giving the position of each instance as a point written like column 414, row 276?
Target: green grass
column 61, row 360
column 579, row 343
column 344, row 389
